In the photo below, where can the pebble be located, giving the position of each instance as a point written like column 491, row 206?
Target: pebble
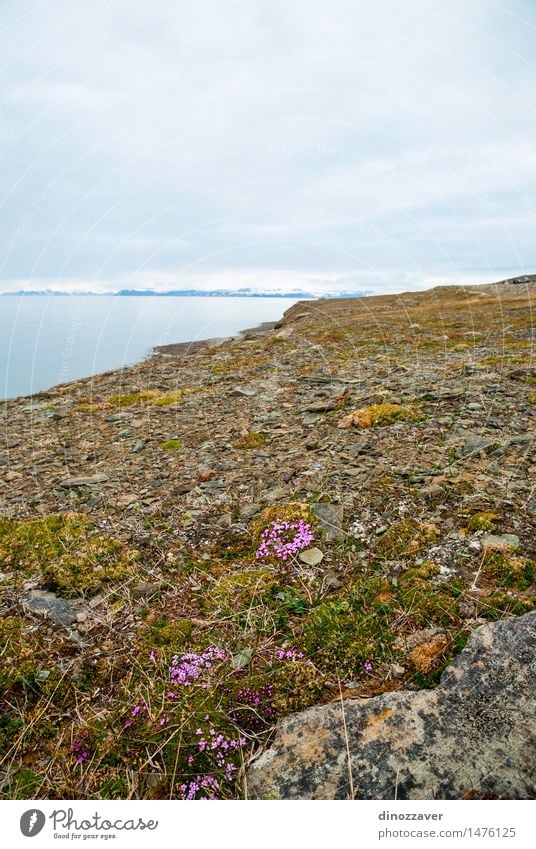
column 492, row 541
column 312, row 556
column 92, row 480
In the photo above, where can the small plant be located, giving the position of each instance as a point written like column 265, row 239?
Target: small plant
column 251, row 440
column 171, row 445
column 282, row 540
column 380, row 415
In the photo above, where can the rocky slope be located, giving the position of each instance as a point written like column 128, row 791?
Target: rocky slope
column 473, row 735
column 401, row 429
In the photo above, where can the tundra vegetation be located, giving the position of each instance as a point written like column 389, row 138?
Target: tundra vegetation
column 284, row 520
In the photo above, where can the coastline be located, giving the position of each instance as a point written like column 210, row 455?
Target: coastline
column 133, row 504
column 185, row 348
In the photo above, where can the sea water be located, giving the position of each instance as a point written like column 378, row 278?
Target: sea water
column 46, row 340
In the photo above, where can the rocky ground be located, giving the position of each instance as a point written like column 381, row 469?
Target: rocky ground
column 400, row 429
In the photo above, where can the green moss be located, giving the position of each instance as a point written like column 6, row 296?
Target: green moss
column 88, row 408
column 363, row 625
column 165, row 632
column 132, row 399
column 531, row 399
column 171, row 445
column 251, row 440
column 405, row 539
column 292, row 511
column 237, row 591
column 344, row 633
column 66, row 554
column 25, row 784
column 507, row 570
column 482, row 522
column 427, row 603
column 498, row 604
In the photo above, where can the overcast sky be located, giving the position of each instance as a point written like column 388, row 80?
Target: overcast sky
column 281, row 144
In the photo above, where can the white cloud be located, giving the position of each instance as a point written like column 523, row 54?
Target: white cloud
column 347, row 141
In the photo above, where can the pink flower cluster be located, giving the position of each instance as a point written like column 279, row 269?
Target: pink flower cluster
column 254, row 709
column 135, row 713
column 284, row 539
column 220, row 748
column 289, row 654
column 187, row 668
column 80, row 751
column 205, row 783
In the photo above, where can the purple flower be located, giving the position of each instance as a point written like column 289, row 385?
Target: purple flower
column 284, row 539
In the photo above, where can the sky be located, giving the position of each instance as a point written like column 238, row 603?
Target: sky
column 280, row 145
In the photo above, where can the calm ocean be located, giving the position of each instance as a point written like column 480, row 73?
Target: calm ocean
column 48, row 340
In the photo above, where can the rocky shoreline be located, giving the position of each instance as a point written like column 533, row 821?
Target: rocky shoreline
column 401, row 428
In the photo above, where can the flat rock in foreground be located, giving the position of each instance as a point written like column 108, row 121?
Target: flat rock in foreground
column 473, row 736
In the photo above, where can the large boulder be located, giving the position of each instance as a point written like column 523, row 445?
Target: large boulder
column 473, row 736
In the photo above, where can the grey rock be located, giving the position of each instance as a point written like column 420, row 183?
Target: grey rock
column 500, row 541
column 432, row 492
column 325, row 406
column 249, row 510
column 278, row 493
column 244, row 391
column 331, row 581
column 117, row 417
column 62, row 611
column 312, row 556
column 137, row 447
column 473, row 735
column 331, row 518
column 475, row 445
column 92, row 480
column 145, row 589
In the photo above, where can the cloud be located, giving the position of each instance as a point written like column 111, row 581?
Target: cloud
column 365, row 145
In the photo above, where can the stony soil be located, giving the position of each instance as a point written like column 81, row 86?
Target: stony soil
column 403, row 427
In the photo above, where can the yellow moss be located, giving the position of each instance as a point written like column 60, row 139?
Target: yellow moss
column 425, row 656
column 380, row 415
column 482, row 521
column 532, row 399
column 251, row 440
column 66, row 553
column 133, row 399
column 236, row 592
column 293, row 511
column 171, row 445
column 406, row 538
column 149, row 397
column 88, row 408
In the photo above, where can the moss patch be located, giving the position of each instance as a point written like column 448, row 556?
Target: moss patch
column 251, row 440
column 380, row 415
column 406, row 538
column 66, row 554
column 482, row 521
column 171, row 445
column 507, row 570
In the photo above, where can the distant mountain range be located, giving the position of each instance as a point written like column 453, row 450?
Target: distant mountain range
column 197, row 293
